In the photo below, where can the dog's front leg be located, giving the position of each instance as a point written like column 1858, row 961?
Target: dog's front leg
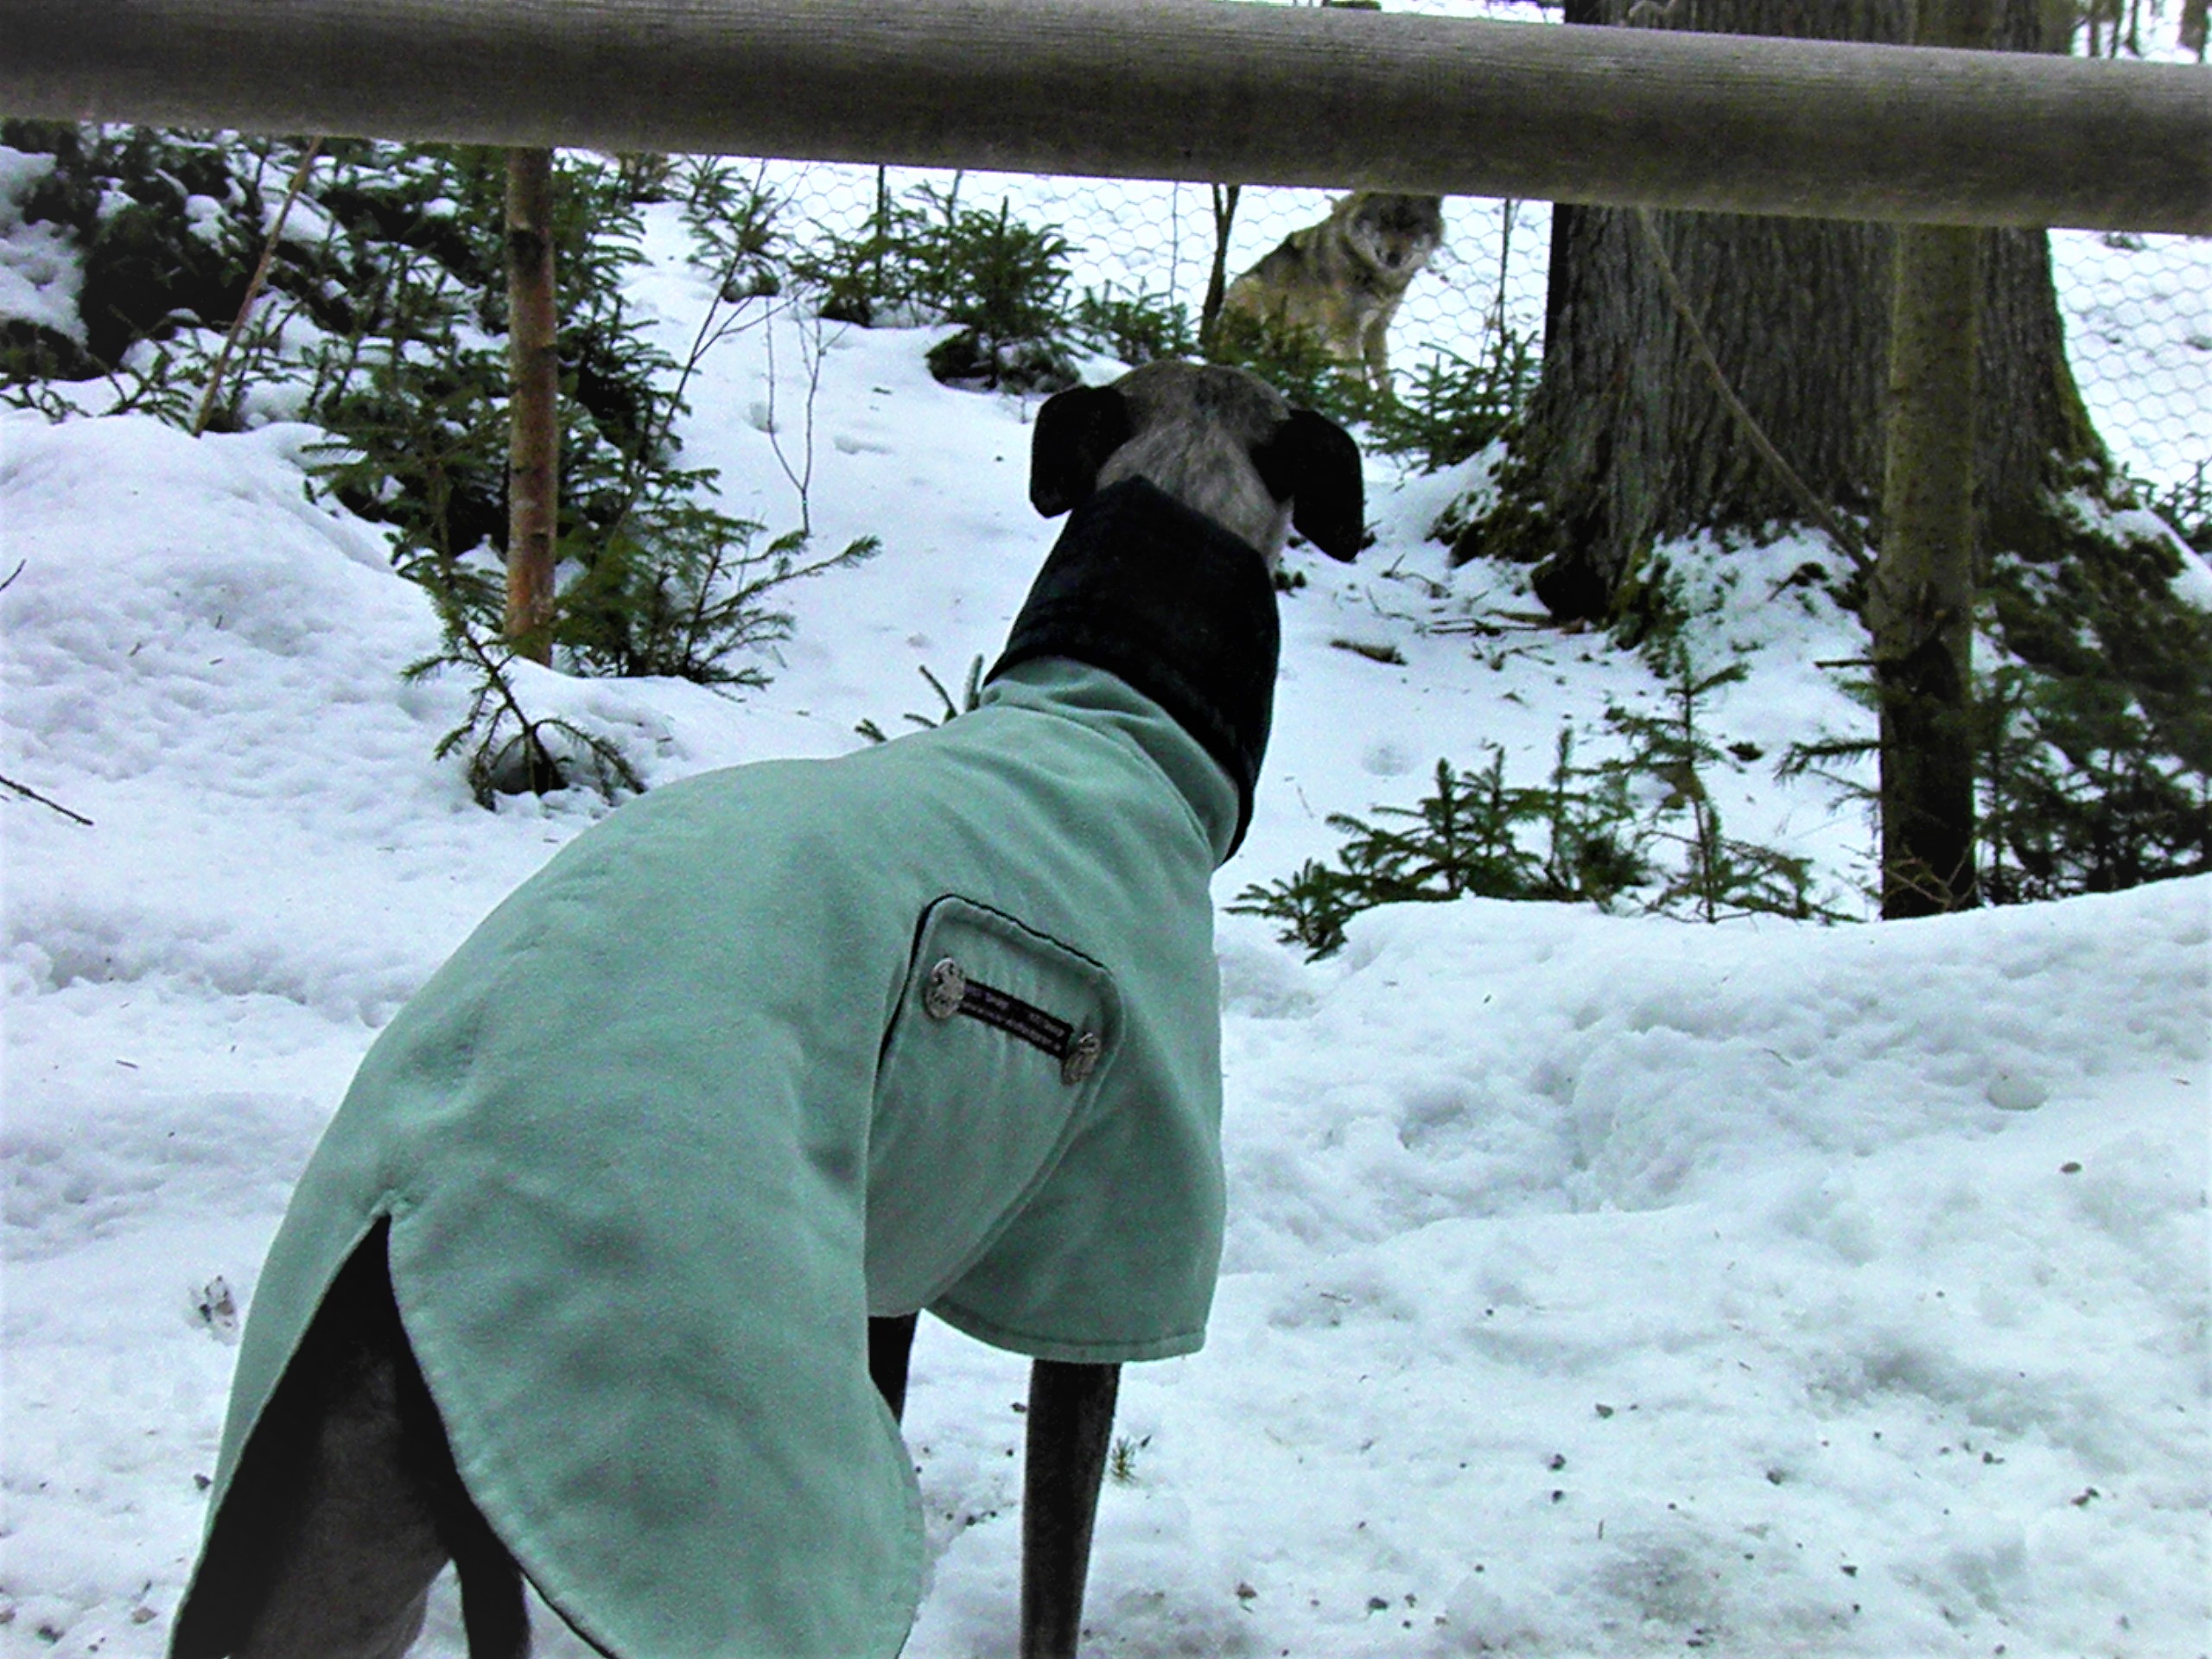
column 1071, row 1424
column 890, row 1346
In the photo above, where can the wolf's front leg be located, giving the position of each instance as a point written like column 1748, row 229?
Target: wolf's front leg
column 1375, row 350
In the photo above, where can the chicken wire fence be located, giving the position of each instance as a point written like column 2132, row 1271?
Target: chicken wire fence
column 2137, row 320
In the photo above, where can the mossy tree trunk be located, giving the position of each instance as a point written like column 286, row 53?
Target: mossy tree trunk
column 534, row 381
column 1627, row 440
column 1921, row 604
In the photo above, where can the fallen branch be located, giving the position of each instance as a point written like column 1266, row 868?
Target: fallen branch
column 252, row 291
column 32, row 795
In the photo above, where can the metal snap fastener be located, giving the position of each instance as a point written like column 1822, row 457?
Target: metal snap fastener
column 1082, row 1057
column 945, row 989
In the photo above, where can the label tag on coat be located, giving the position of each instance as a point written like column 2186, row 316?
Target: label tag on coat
column 949, row 993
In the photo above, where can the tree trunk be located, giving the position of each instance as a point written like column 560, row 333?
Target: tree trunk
column 1627, row 440
column 1224, row 219
column 534, row 385
column 1920, row 605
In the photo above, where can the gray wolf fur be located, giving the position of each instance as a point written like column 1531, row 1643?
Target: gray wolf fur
column 1340, row 282
column 346, row 1503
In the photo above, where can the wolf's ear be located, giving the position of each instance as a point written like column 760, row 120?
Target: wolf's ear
column 1312, row 461
column 1076, row 430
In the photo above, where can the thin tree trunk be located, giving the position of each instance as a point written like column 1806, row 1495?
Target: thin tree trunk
column 1921, row 606
column 252, row 290
column 534, row 379
column 1224, row 198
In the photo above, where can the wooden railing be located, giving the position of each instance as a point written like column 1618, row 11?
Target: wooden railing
column 1170, row 89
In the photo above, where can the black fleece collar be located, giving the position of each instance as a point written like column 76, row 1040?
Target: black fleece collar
column 1166, row 600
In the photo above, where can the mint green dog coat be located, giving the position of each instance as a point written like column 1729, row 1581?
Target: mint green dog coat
column 773, row 1049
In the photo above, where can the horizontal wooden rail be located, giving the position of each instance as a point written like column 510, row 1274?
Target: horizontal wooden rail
column 1169, row 89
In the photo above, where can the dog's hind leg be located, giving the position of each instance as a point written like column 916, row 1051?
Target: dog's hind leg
column 346, row 1505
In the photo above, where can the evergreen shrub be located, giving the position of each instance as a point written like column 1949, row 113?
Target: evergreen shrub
column 383, row 323
column 1595, row 834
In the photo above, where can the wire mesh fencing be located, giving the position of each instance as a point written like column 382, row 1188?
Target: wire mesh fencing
column 1160, row 239
column 2137, row 309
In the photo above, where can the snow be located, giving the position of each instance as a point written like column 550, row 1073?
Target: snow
column 1595, row 1284
column 40, row 271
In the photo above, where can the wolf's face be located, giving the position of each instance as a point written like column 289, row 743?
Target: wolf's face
column 1395, row 233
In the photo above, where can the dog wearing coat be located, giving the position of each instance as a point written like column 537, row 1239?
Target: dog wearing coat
column 604, row 1274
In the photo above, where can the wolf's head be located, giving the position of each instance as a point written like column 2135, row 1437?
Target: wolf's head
column 1393, row 233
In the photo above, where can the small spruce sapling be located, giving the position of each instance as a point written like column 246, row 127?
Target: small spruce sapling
column 679, row 591
column 1719, row 876
column 972, row 698
column 1136, row 328
column 1470, row 838
column 732, row 217
column 924, row 257
column 1456, row 407
column 1001, row 282
column 508, row 751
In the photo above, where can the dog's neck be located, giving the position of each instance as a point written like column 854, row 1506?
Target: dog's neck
column 1068, row 689
column 1173, row 605
column 1210, row 471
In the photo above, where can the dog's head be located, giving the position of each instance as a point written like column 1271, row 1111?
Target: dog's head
column 1393, row 232
column 1221, row 441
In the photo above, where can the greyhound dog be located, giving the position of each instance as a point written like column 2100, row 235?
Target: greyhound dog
column 604, row 1274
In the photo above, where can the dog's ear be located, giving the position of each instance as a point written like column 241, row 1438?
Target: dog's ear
column 1076, row 430
column 1312, row 461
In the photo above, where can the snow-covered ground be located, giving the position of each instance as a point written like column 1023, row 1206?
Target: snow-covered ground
column 1595, row 1285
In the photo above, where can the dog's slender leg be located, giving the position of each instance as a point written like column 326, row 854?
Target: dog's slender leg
column 327, row 1539
column 890, row 1346
column 346, row 1505
column 1071, row 1424
column 491, row 1610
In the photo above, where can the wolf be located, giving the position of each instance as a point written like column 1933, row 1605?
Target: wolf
column 604, row 1274
column 1340, row 282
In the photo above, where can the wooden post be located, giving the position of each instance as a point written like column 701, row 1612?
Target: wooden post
column 1921, row 608
column 1197, row 90
column 533, row 413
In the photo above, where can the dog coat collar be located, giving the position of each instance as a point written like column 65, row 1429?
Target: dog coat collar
column 1166, row 600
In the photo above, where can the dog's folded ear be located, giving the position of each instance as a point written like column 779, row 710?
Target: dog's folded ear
column 1312, row 461
column 1077, row 431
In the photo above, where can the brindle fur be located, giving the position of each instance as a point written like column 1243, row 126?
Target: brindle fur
column 1220, row 440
